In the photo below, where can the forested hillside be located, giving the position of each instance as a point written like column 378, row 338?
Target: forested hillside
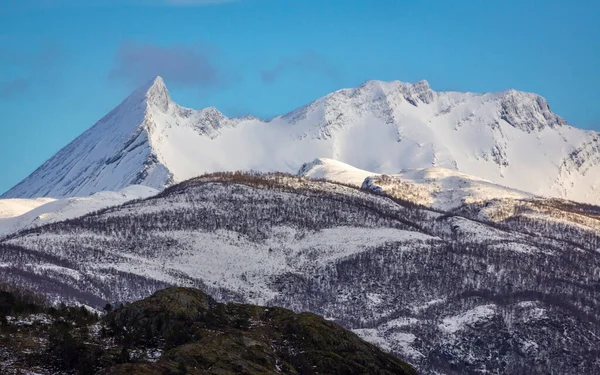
column 450, row 292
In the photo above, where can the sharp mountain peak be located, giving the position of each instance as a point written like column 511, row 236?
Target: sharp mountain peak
column 156, row 93
column 379, row 126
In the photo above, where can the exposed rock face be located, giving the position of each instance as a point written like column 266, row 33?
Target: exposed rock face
column 528, row 112
column 179, row 331
column 212, row 338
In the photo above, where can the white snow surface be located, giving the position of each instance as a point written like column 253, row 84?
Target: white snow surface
column 16, row 207
column 66, row 208
column 334, row 170
column 509, row 138
column 455, row 323
column 216, row 257
column 390, row 337
column 439, row 188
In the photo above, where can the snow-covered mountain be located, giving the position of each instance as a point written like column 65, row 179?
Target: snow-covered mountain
column 457, row 193
column 29, row 213
column 448, row 291
column 438, row 188
column 510, row 138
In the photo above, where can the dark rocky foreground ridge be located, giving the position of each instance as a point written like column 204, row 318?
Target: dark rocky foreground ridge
column 449, row 292
column 179, row 331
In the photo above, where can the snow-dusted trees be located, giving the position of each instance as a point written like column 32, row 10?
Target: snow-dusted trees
column 450, row 291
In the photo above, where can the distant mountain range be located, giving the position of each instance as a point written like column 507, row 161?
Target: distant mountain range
column 510, row 138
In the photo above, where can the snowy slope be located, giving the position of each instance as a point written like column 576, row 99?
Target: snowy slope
column 111, row 155
column 334, row 170
column 470, row 196
column 438, row 188
column 68, row 208
column 423, row 284
column 16, row 207
column 441, row 188
column 510, row 138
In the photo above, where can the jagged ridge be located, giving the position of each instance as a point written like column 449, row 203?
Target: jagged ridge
column 379, row 126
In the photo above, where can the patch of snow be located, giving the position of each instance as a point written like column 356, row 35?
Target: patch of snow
column 373, row 336
column 374, row 298
column 17, row 207
column 216, row 257
column 439, row 188
column 529, row 346
column 403, row 342
column 29, row 320
column 536, row 313
column 456, row 323
column 418, row 308
column 69, row 208
column 58, row 269
column 153, row 355
column 334, row 170
column 399, row 322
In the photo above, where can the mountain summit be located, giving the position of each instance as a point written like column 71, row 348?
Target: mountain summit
column 157, row 94
column 510, row 138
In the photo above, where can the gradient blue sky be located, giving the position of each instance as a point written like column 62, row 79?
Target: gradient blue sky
column 66, row 63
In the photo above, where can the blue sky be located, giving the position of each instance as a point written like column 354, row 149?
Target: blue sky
column 66, row 63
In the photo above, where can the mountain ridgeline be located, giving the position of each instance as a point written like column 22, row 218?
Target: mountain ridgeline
column 506, row 284
column 511, row 138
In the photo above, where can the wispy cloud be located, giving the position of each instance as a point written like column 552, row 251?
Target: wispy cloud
column 14, row 88
column 39, row 69
column 50, row 54
column 309, row 61
column 181, row 65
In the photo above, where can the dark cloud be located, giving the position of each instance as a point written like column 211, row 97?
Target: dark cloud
column 180, row 65
column 309, row 61
column 14, row 88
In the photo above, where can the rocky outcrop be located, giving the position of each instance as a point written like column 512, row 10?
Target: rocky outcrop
column 206, row 337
